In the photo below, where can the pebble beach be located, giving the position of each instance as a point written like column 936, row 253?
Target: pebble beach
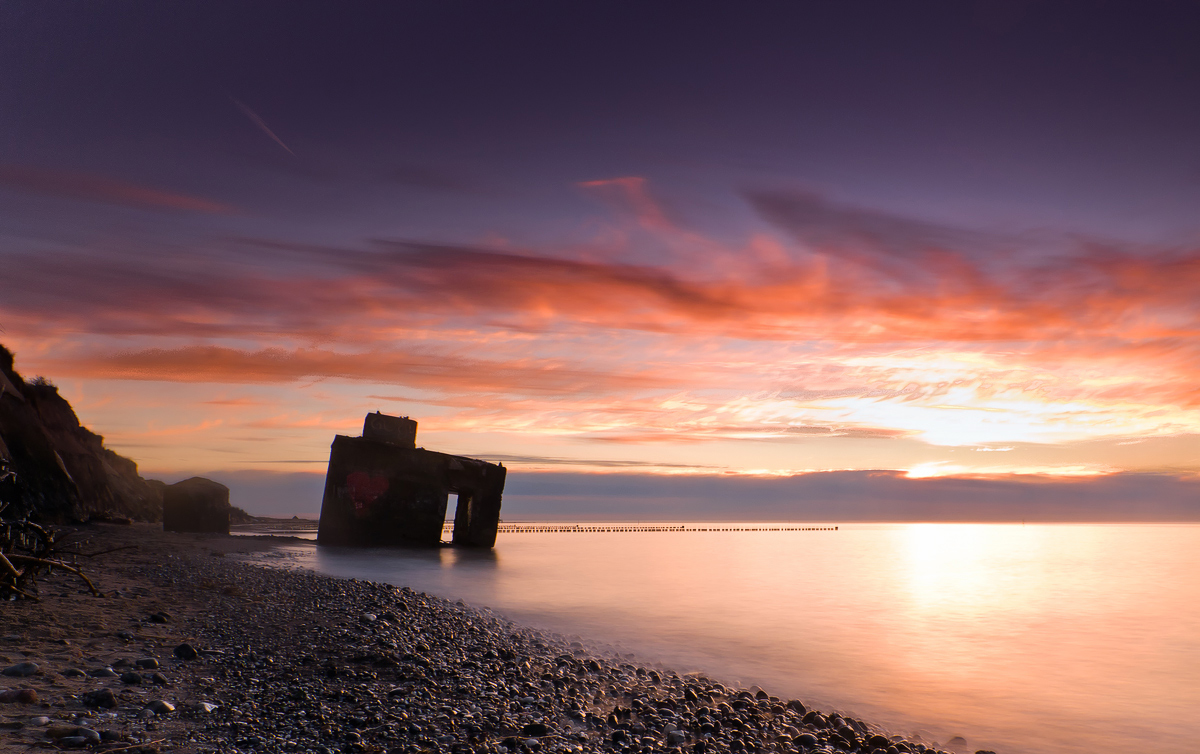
column 192, row 649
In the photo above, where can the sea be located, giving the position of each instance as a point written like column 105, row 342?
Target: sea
column 1035, row 639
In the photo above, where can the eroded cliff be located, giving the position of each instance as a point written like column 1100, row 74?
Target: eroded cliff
column 63, row 471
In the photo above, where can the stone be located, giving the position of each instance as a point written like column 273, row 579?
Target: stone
column 40, row 720
column 147, row 663
column 196, row 505
column 535, row 730
column 160, row 707
column 23, row 696
column 22, row 669
column 73, row 673
column 102, row 673
column 807, row 740
column 159, row 679
column 60, row 731
column 72, row 735
column 186, row 652
column 88, row 735
column 131, row 678
column 100, row 698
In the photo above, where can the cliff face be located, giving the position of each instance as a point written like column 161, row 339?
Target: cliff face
column 64, row 472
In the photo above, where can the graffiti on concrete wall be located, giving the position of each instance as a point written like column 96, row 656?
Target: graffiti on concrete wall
column 365, row 489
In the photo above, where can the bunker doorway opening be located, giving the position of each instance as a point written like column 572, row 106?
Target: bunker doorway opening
column 461, row 503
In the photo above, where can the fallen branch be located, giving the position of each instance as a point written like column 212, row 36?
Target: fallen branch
column 26, row 595
column 101, row 552
column 57, row 564
column 9, row 568
column 134, row 746
column 28, row 549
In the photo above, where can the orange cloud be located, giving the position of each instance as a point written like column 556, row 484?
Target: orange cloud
column 848, row 323
column 935, row 296
column 214, row 364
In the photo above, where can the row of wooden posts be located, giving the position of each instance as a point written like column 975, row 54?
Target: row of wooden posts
column 612, row 528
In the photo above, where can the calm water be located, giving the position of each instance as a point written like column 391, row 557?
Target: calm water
column 1040, row 638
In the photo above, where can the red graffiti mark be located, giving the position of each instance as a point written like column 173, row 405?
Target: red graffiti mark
column 365, row 489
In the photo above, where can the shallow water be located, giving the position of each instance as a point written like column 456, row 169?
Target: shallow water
column 1039, row 638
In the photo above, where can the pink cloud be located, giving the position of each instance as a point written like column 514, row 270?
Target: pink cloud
column 630, row 192
column 97, row 188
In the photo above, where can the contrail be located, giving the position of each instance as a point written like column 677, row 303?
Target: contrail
column 253, row 116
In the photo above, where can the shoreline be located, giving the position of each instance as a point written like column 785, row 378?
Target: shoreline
column 290, row 660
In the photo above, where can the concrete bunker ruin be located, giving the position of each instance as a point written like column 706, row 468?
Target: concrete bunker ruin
column 196, row 505
column 381, row 489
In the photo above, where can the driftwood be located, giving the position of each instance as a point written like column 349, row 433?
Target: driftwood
column 29, row 550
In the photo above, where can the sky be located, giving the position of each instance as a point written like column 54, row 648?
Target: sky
column 614, row 244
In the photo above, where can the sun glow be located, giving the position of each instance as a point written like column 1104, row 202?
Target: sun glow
column 935, row 469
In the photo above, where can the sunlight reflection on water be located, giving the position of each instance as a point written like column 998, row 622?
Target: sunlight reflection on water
column 1040, row 638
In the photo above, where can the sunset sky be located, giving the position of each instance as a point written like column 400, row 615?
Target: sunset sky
column 931, row 239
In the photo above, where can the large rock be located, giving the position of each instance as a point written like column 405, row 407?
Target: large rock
column 196, row 505
column 64, row 472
